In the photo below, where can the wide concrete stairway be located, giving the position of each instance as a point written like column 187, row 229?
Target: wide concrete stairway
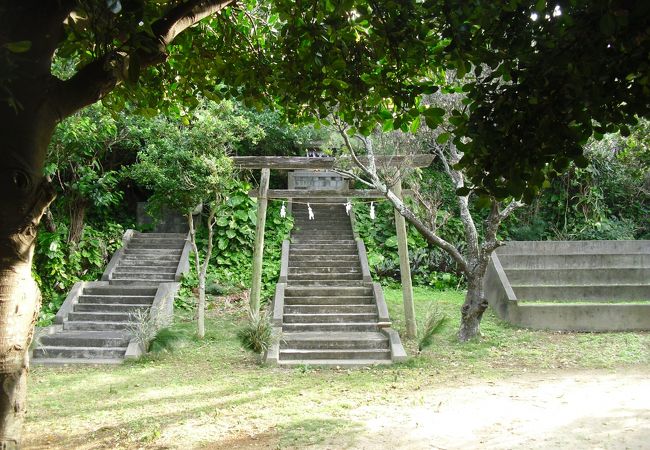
column 95, row 323
column 330, row 315
column 580, row 285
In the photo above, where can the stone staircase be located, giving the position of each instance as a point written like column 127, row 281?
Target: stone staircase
column 578, row 286
column 330, row 314
column 148, row 259
column 94, row 324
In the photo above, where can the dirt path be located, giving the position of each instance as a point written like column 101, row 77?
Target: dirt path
column 585, row 410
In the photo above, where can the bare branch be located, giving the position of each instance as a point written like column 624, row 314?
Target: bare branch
column 401, row 207
column 494, row 219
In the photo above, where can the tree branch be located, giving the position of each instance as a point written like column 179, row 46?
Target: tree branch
column 99, row 77
column 401, row 207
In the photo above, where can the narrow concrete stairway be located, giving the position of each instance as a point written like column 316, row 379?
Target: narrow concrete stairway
column 95, row 323
column 579, row 285
column 330, row 315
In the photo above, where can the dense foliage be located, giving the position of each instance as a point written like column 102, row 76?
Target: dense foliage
column 230, row 267
column 608, row 199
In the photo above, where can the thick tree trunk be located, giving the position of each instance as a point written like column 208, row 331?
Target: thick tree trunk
column 19, row 307
column 472, row 310
column 24, row 197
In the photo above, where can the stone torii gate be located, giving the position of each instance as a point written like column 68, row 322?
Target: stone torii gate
column 266, row 163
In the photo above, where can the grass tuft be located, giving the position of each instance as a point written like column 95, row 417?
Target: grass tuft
column 257, row 334
column 431, row 326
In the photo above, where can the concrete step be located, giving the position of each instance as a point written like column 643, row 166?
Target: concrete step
column 152, row 259
column 613, row 292
column 330, row 300
column 574, row 247
column 321, row 252
column 137, row 282
column 331, row 210
column 336, row 354
column 152, row 252
column 120, row 290
column 141, row 275
column 79, row 352
column 334, row 283
column 158, row 240
column 116, row 299
column 320, row 233
column 576, row 261
column 102, row 316
column 155, row 245
column 315, row 227
column 322, row 269
column 94, row 326
column 327, row 259
column 329, row 318
column 343, row 291
column 335, row 363
column 138, row 234
column 304, row 236
column 301, row 327
column 86, row 339
column 110, row 307
column 331, row 309
column 337, row 210
column 570, row 276
column 348, row 245
column 327, row 276
column 171, row 264
column 332, row 340
column 153, row 269
column 62, row 362
column 323, row 241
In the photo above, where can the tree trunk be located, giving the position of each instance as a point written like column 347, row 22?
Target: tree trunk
column 24, row 197
column 19, row 304
column 200, row 307
column 77, row 217
column 472, row 310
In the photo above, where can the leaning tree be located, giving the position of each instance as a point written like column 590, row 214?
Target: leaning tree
column 558, row 75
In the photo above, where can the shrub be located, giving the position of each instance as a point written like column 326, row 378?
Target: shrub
column 257, row 334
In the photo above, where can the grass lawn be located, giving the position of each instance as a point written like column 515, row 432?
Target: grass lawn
column 212, row 394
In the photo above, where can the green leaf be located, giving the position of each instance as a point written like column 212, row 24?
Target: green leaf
column 222, row 243
column 443, row 138
column 391, row 242
column 415, row 125
column 388, row 125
